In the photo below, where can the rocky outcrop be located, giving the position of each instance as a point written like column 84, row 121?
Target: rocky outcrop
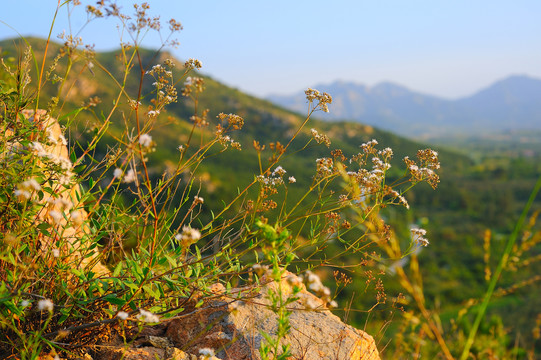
column 61, row 206
column 232, row 328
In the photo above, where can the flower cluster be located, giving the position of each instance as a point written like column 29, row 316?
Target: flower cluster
column 122, row 315
column 323, row 99
column 275, row 179
column 143, row 21
column 166, row 92
column 424, row 171
column 153, row 113
column 234, row 121
column 278, row 172
column 314, row 284
column 191, row 64
column 62, row 165
column 369, row 147
column 45, row 305
column 395, row 195
column 418, row 236
column 207, row 354
column 55, row 139
column 131, row 175
column 26, row 188
column 320, row 138
column 188, row 236
column 77, row 217
column 136, row 24
column 324, row 167
column 174, row 25
column 134, row 104
column 145, row 140
column 227, row 140
column 56, row 208
column 261, row 270
column 193, row 84
column 198, row 200
column 200, row 120
column 147, row 316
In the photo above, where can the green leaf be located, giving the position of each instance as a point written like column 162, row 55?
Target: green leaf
column 117, row 270
column 132, row 286
column 114, row 300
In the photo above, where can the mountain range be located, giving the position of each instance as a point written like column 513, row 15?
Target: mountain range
column 513, row 103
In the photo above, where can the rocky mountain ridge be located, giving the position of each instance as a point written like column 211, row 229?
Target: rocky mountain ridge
column 513, row 103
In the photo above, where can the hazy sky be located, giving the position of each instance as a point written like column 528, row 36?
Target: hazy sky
column 448, row 48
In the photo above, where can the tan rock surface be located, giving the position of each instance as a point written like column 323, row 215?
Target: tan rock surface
column 62, row 208
column 233, row 328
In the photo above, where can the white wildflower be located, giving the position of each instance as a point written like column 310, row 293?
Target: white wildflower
column 45, row 305
column 145, row 140
column 207, row 353
column 117, row 173
column 147, row 316
column 314, row 283
column 261, row 270
column 60, row 203
column 56, row 216
column 153, row 113
column 198, row 200
column 311, row 304
column 294, row 280
column 292, row 180
column 130, row 177
column 387, row 152
column 188, row 236
column 56, row 253
column 122, row 315
column 279, row 171
column 77, row 217
column 22, row 194
column 134, row 104
column 404, row 201
column 25, row 189
column 418, row 235
column 38, row 148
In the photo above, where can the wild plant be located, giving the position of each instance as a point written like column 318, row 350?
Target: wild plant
column 109, row 237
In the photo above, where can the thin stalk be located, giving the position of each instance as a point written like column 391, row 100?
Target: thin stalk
column 503, row 261
column 45, row 54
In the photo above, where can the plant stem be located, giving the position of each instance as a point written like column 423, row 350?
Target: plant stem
column 503, row 261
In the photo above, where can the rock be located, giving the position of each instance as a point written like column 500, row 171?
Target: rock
column 233, row 328
column 143, row 353
column 63, row 208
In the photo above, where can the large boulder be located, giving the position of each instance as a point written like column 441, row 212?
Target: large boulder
column 233, row 328
column 230, row 324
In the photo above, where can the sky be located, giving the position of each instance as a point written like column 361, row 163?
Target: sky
column 444, row 48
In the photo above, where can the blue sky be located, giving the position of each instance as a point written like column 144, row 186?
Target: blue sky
column 445, row 48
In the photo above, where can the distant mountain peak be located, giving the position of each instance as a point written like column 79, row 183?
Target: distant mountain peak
column 510, row 103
